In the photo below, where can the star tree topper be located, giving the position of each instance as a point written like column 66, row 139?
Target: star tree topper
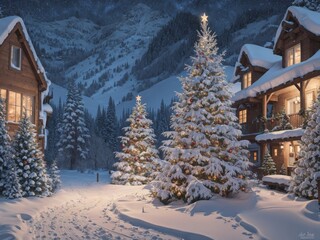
column 138, row 98
column 204, row 18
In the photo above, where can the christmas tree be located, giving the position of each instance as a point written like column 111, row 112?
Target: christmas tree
column 268, row 165
column 74, row 134
column 203, row 153
column 313, row 5
column 138, row 159
column 31, row 169
column 304, row 182
column 284, row 122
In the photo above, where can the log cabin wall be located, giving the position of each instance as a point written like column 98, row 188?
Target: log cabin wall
column 24, row 81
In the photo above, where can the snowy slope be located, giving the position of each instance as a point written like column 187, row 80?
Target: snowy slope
column 164, row 90
column 84, row 209
column 99, row 54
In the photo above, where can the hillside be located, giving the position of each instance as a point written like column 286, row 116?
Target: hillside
column 119, row 48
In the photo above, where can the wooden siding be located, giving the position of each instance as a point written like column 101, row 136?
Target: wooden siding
column 26, row 80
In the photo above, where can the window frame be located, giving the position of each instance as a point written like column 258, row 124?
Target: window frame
column 12, row 65
column 22, row 106
column 292, row 50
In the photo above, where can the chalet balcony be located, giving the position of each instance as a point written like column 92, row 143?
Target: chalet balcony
column 295, row 120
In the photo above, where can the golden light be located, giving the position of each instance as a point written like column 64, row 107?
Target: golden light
column 204, row 18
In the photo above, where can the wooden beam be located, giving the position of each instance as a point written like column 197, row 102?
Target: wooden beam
column 303, row 96
column 297, row 86
column 269, row 97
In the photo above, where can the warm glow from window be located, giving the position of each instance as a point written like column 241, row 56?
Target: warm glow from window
column 246, row 80
column 293, row 105
column 243, row 116
column 3, row 93
column 255, row 156
column 275, row 152
column 14, row 106
column 16, row 57
column 293, row 55
column 27, row 103
column 17, row 104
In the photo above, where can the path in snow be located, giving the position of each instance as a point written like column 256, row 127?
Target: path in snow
column 87, row 216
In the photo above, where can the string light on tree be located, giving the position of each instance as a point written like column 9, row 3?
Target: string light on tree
column 203, row 122
column 138, row 160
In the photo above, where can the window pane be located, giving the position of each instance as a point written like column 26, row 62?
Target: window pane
column 27, row 103
column 16, row 57
column 14, row 106
column 297, row 54
column 3, row 93
column 243, row 116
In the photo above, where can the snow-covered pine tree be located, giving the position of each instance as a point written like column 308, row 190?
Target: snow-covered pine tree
column 268, row 165
column 9, row 182
column 4, row 142
column 74, row 134
column 31, row 169
column 304, row 183
column 54, row 174
column 11, row 187
column 284, row 122
column 139, row 158
column 204, row 154
column 313, row 5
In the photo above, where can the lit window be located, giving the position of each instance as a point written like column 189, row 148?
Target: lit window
column 3, row 93
column 27, row 103
column 17, row 104
column 275, row 152
column 293, row 105
column 243, row 116
column 16, row 57
column 14, row 106
column 293, row 55
column 254, row 156
column 246, row 80
column 293, row 153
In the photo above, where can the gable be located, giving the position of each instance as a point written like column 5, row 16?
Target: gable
column 297, row 23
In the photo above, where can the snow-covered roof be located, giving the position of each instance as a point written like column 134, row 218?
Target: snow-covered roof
column 280, row 135
column 277, row 75
column 6, row 26
column 258, row 56
column 310, row 20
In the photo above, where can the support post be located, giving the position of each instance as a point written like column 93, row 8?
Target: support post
column 303, row 96
column 264, row 110
column 97, row 177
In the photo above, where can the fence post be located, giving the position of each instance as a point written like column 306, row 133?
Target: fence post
column 97, row 177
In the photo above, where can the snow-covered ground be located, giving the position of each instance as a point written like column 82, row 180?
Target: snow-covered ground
column 84, row 209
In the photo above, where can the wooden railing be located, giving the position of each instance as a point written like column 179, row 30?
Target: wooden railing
column 296, row 121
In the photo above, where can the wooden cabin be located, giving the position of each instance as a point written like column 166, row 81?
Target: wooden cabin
column 285, row 78
column 23, row 82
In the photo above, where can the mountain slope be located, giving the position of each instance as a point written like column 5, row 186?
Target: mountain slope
column 118, row 48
